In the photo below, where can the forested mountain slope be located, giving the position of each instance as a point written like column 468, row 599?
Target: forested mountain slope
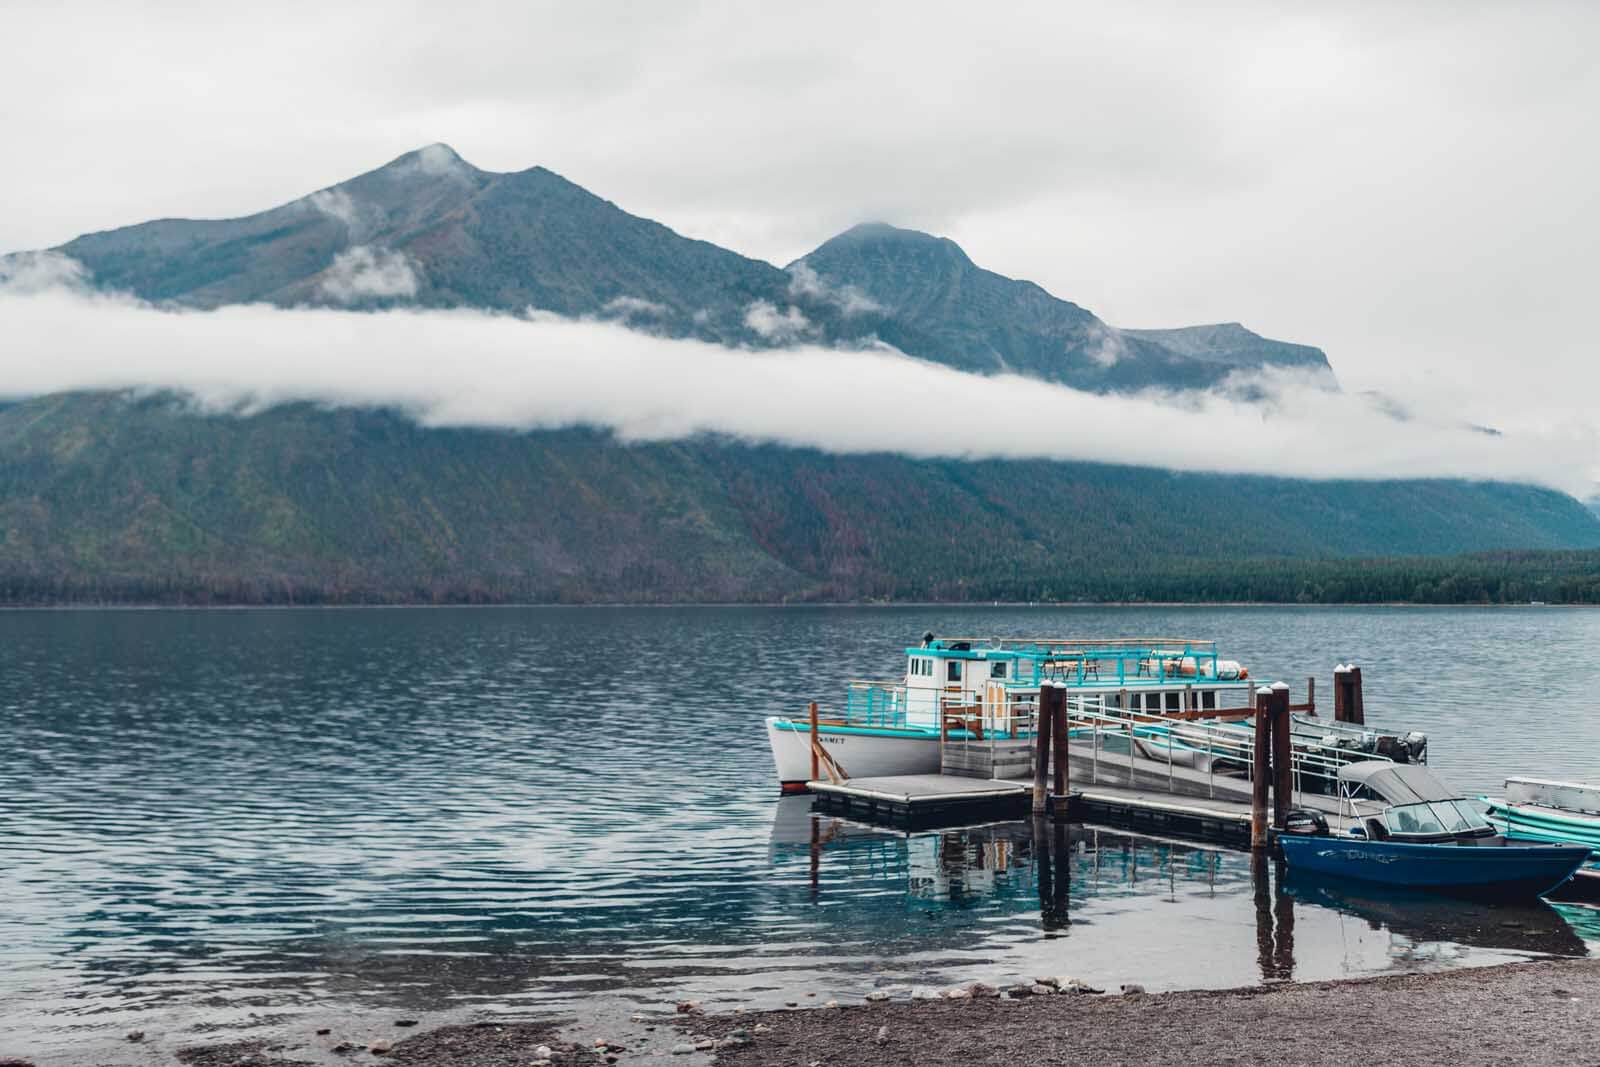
column 105, row 497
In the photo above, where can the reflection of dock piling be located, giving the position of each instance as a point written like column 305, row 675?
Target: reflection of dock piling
column 1274, row 920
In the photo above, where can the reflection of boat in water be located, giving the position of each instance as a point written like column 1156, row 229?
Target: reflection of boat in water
column 997, row 860
column 1098, row 885
column 1412, row 830
column 1528, row 925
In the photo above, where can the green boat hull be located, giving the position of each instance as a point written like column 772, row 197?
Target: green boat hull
column 1544, row 824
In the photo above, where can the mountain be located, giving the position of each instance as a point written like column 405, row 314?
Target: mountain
column 107, row 497
column 1230, row 344
column 430, row 229
column 942, row 306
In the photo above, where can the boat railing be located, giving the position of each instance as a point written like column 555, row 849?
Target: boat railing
column 1200, row 751
column 875, row 704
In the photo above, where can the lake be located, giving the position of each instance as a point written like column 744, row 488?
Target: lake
column 235, row 821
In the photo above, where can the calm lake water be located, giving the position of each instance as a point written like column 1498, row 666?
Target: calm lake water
column 235, row 821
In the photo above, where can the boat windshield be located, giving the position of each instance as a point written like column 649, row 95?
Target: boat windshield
column 1439, row 817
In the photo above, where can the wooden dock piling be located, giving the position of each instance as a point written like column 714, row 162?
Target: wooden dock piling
column 1261, row 770
column 1043, row 730
column 1282, row 756
column 816, row 752
column 1347, row 702
column 1058, row 718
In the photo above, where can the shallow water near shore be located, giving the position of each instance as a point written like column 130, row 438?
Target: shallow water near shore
column 205, row 815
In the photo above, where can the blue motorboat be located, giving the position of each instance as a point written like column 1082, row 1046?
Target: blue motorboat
column 1409, row 829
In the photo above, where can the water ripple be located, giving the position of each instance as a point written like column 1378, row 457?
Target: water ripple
column 206, row 813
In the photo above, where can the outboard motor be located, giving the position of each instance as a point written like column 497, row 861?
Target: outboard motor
column 1306, row 823
column 1417, row 742
column 1395, row 748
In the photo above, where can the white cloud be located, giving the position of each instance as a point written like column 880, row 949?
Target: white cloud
column 783, row 327
column 804, row 281
column 337, row 204
column 362, row 273
column 32, row 272
column 466, row 368
column 438, row 159
column 1106, row 345
column 636, row 307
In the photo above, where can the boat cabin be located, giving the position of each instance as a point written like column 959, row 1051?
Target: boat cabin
column 1149, row 675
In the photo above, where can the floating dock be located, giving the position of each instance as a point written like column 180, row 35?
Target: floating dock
column 925, row 800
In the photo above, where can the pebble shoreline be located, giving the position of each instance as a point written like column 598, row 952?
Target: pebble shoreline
column 1509, row 1014
column 1512, row 1013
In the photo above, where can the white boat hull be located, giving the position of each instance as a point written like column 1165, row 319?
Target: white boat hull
column 859, row 752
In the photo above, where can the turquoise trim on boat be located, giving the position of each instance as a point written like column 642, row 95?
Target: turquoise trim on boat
column 1095, row 665
column 1517, row 821
column 793, row 726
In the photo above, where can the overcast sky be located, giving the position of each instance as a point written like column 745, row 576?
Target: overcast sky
column 1412, row 187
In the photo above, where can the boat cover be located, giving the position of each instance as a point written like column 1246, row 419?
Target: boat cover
column 1397, row 783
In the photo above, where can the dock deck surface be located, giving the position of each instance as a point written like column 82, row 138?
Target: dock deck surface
column 928, row 798
column 925, row 787
column 923, row 798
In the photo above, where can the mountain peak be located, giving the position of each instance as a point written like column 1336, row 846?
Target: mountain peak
column 887, row 232
column 1234, row 344
column 885, row 242
column 431, row 160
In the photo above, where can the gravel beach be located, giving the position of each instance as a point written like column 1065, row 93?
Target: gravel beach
column 1516, row 1013
column 1519, row 1013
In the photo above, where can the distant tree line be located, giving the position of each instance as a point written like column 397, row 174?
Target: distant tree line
column 1565, row 577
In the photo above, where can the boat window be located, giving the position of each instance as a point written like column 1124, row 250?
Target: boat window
column 997, row 669
column 1471, row 817
column 1174, row 701
column 1413, row 819
column 953, row 671
column 1451, row 818
column 1208, row 699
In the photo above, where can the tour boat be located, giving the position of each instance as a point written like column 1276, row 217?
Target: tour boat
column 973, row 687
column 1409, row 829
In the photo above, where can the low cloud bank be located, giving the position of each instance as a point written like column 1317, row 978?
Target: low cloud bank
column 466, row 368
